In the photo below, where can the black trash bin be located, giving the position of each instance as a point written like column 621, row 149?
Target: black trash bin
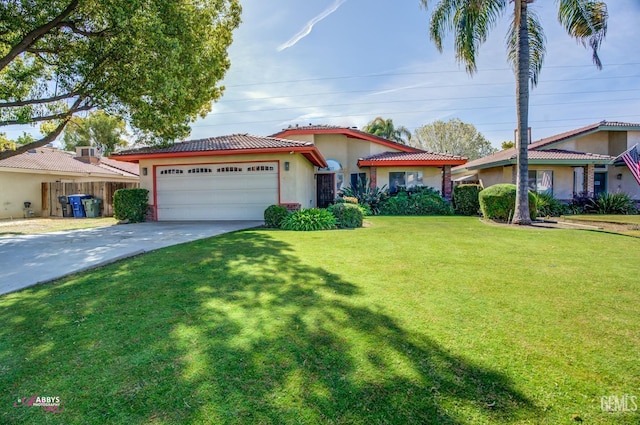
column 67, row 210
column 76, row 204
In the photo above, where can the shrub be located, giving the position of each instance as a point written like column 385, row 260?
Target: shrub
column 130, row 204
column 465, row 199
column 548, row 206
column 613, row 203
column 348, row 216
column 420, row 201
column 274, row 214
column 581, row 204
column 498, row 202
column 366, row 195
column 309, row 219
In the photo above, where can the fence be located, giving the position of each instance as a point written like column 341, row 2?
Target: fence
column 103, row 190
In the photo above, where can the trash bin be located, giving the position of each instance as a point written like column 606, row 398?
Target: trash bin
column 92, row 207
column 67, row 210
column 76, row 204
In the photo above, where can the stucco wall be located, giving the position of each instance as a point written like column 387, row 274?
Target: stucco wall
column 491, row 176
column 296, row 184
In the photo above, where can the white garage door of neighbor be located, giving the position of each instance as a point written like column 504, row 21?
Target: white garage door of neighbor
column 216, row 191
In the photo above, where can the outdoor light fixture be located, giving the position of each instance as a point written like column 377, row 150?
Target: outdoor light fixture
column 619, row 176
column 286, row 166
column 144, row 171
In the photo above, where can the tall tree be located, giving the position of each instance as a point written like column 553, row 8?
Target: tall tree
column 385, row 128
column 453, row 137
column 471, row 21
column 99, row 129
column 155, row 63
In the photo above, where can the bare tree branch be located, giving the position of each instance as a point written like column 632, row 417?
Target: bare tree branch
column 34, row 35
column 19, row 103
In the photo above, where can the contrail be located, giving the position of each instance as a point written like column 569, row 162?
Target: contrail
column 307, row 29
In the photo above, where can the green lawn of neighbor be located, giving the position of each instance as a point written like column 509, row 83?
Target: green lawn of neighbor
column 620, row 219
column 409, row 321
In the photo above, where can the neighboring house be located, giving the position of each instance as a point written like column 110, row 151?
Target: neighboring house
column 21, row 176
column 236, row 177
column 567, row 164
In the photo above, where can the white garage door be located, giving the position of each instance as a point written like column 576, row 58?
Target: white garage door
column 216, row 191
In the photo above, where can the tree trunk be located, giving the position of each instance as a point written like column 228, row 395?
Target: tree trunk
column 521, row 213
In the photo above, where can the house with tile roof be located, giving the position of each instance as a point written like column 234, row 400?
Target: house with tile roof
column 22, row 176
column 567, row 164
column 237, row 177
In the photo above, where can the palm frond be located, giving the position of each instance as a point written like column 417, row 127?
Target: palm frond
column 537, row 45
column 470, row 21
column 586, row 21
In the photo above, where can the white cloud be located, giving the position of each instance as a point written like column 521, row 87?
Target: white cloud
column 309, row 27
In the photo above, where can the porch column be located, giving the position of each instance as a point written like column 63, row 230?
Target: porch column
column 446, row 181
column 373, row 177
column 590, row 189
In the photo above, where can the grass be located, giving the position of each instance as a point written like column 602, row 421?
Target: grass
column 620, row 219
column 29, row 226
column 409, row 321
column 624, row 224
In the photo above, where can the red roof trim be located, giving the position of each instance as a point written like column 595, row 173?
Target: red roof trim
column 348, row 132
column 410, row 162
column 310, row 152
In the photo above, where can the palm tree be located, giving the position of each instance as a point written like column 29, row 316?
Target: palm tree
column 470, row 21
column 385, row 128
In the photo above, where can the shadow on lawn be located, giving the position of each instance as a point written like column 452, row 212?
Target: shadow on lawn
column 234, row 329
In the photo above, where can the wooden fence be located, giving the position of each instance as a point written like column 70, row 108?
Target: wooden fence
column 51, row 207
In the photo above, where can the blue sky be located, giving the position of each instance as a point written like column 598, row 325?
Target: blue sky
column 362, row 58
column 344, row 62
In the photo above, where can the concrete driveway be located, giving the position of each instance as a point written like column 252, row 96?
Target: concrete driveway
column 31, row 259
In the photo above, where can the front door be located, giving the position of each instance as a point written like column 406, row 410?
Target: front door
column 599, row 183
column 324, row 190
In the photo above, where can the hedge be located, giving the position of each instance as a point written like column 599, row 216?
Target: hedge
column 498, row 202
column 465, row 199
column 130, row 204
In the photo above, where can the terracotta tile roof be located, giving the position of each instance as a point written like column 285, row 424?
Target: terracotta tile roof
column 602, row 125
column 347, row 131
column 221, row 143
column 508, row 156
column 55, row 160
column 413, row 156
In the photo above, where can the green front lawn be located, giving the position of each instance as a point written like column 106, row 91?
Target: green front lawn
column 603, row 218
column 409, row 321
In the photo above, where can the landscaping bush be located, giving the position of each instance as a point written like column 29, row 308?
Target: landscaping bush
column 309, row 219
column 613, row 203
column 549, row 206
column 366, row 195
column 418, row 201
column 498, row 202
column 465, row 199
column 581, row 204
column 130, row 204
column 348, row 216
column 274, row 214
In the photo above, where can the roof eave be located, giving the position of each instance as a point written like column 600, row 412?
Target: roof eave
column 409, row 162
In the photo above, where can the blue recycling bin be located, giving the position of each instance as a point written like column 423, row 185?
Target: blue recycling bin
column 76, row 204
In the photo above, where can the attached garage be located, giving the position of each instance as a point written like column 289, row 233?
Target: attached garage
column 233, row 191
column 233, row 177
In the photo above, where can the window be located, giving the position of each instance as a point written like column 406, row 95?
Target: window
column 260, row 168
column 229, row 170
column 339, row 182
column 172, row 171
column 358, row 179
column 578, row 180
column 332, row 165
column 541, row 181
column 200, row 170
column 404, row 179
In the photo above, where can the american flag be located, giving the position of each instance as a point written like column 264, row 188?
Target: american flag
column 632, row 159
